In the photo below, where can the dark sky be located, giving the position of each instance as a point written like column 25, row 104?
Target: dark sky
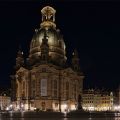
column 91, row 27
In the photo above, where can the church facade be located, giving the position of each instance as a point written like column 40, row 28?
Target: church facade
column 44, row 80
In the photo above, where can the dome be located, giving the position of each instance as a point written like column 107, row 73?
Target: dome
column 55, row 38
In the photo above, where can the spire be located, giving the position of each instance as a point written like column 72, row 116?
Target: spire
column 19, row 58
column 20, row 53
column 75, row 61
column 48, row 17
column 75, row 53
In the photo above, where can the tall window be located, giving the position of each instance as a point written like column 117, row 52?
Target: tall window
column 23, row 95
column 75, row 91
column 33, row 88
column 67, row 90
column 55, row 88
column 33, row 84
column 33, row 93
column 23, row 85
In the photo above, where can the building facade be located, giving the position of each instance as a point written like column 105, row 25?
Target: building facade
column 44, row 80
column 5, row 102
column 97, row 100
column 116, row 100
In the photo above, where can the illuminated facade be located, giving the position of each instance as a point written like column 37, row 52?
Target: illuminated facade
column 116, row 100
column 45, row 81
column 5, row 102
column 96, row 100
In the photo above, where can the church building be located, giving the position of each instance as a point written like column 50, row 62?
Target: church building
column 44, row 80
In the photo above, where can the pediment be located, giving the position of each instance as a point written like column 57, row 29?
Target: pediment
column 22, row 69
column 47, row 67
column 69, row 71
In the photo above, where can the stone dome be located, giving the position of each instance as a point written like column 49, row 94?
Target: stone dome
column 55, row 38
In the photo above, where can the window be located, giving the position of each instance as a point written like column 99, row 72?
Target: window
column 33, row 93
column 43, row 69
column 55, row 84
column 33, row 84
column 23, row 85
column 56, row 105
column 44, row 57
column 75, row 91
column 67, row 85
column 55, row 93
column 43, row 105
column 55, row 88
column 67, row 90
column 23, row 95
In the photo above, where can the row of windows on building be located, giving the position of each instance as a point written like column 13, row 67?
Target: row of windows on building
column 91, row 98
column 55, row 89
column 97, row 102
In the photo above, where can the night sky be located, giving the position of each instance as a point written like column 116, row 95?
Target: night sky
column 93, row 28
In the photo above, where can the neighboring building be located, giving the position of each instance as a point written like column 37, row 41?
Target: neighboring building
column 116, row 100
column 97, row 100
column 5, row 102
column 45, row 81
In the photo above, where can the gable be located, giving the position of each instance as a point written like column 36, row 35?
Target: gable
column 22, row 69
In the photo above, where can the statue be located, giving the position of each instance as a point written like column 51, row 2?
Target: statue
column 79, row 107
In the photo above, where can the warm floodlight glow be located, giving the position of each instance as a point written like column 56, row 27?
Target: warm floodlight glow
column 117, row 108
column 64, row 107
column 73, row 107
